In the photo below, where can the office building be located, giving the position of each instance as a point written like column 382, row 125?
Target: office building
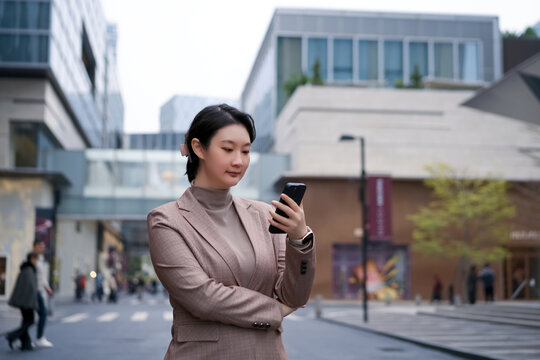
column 178, row 112
column 368, row 49
column 59, row 90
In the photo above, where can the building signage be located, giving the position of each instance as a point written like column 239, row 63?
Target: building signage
column 380, row 208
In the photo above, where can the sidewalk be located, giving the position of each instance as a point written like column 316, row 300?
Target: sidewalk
column 431, row 326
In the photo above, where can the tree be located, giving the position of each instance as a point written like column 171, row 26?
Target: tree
column 416, row 79
column 468, row 219
column 529, row 33
column 293, row 82
column 316, row 70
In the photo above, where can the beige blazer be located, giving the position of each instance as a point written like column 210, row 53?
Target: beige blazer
column 215, row 315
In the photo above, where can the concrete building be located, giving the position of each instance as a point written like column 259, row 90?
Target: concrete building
column 404, row 130
column 178, row 112
column 59, row 90
column 370, row 49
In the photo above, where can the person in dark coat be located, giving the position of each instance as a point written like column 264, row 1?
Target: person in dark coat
column 25, row 298
column 472, row 279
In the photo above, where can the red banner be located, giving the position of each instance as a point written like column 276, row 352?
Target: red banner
column 380, row 208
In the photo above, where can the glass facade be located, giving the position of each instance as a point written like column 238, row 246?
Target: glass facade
column 30, row 142
column 418, row 58
column 368, row 60
column 393, row 62
column 343, row 60
column 444, row 60
column 71, row 42
column 289, row 63
column 468, row 61
column 318, row 50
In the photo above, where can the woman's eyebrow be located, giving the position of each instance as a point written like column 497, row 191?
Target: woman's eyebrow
column 232, row 142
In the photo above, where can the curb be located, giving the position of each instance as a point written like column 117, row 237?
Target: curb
column 427, row 344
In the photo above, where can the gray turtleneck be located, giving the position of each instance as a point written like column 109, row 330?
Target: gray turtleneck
column 219, row 206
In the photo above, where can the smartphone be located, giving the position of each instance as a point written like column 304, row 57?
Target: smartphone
column 296, row 192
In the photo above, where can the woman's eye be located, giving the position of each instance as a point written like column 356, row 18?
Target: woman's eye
column 227, row 149
column 246, row 152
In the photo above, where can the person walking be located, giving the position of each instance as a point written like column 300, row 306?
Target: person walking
column 230, row 281
column 437, row 289
column 44, row 291
column 472, row 279
column 24, row 297
column 488, row 279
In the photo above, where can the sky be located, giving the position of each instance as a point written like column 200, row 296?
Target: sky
column 207, row 47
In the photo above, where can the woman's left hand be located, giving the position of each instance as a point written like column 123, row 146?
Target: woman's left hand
column 295, row 225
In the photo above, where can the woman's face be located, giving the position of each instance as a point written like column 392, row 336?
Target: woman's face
column 226, row 159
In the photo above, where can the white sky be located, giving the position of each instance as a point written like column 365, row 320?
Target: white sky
column 207, row 47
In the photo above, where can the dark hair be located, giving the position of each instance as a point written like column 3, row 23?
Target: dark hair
column 31, row 255
column 38, row 241
column 205, row 125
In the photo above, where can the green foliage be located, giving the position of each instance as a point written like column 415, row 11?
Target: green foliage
column 316, row 70
column 528, row 33
column 416, row 79
column 467, row 219
column 297, row 80
column 134, row 265
column 293, row 82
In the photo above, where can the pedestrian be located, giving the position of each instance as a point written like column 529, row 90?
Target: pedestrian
column 451, row 294
column 44, row 291
column 437, row 289
column 488, row 279
column 25, row 298
column 231, row 282
column 140, row 287
column 113, row 285
column 472, row 279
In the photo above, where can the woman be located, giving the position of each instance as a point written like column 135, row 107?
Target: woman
column 25, row 297
column 230, row 281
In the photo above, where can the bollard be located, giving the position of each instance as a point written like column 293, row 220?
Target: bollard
column 318, row 306
column 418, row 299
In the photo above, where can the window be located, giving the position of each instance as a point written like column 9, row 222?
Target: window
column 393, row 62
column 368, row 59
column 444, row 63
column 317, row 50
column 343, row 60
column 24, row 48
column 30, row 144
column 24, row 15
column 24, row 144
column 289, row 63
column 468, row 61
column 418, row 58
column 88, row 60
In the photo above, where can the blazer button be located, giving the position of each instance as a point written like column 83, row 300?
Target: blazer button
column 303, row 272
column 255, row 324
column 303, row 262
column 267, row 325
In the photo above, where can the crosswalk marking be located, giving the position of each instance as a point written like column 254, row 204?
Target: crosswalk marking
column 168, row 315
column 139, row 316
column 110, row 316
column 74, row 318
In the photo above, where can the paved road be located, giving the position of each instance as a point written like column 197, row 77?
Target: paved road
column 141, row 330
column 492, row 340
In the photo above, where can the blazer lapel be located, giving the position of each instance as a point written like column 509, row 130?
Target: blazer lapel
column 194, row 213
column 251, row 220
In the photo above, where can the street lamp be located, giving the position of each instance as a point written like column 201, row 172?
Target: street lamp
column 365, row 237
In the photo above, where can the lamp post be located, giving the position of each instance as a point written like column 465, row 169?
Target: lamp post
column 365, row 237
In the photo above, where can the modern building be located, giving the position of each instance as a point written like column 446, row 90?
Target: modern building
column 59, row 90
column 178, row 112
column 154, row 141
column 368, row 49
column 405, row 130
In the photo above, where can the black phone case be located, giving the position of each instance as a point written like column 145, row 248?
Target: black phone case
column 296, row 192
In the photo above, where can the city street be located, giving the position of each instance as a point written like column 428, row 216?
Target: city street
column 135, row 329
